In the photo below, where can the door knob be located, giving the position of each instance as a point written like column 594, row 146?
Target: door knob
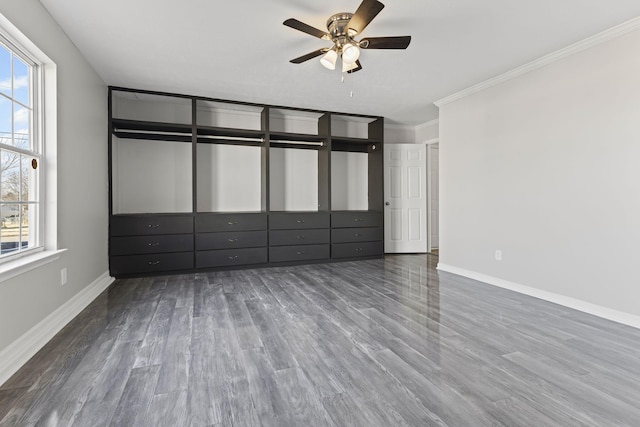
column 387, row 203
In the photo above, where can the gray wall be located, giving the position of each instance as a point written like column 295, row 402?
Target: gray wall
column 82, row 179
column 545, row 167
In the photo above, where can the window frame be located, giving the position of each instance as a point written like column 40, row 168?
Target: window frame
column 37, row 144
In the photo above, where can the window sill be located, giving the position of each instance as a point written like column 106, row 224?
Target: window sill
column 14, row 268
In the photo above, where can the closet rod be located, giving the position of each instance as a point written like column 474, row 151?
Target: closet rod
column 314, row 143
column 232, row 138
column 154, row 132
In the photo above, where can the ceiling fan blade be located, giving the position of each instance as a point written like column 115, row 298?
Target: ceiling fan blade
column 367, row 10
column 399, row 42
column 358, row 68
column 305, row 28
column 308, row 56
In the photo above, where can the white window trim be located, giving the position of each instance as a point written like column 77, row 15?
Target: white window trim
column 46, row 127
column 16, row 267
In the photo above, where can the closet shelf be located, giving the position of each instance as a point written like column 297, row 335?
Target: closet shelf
column 229, row 132
column 347, row 140
column 134, row 129
column 296, row 137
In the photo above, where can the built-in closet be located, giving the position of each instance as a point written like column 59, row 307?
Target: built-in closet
column 200, row 184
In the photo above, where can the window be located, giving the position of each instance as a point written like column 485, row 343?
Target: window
column 20, row 153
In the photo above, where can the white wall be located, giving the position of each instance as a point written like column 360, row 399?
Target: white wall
column 82, row 180
column 397, row 134
column 151, row 176
column 349, row 181
column 546, row 168
column 229, row 178
column 293, row 179
column 428, row 132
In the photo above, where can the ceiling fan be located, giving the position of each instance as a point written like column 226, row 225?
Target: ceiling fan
column 343, row 27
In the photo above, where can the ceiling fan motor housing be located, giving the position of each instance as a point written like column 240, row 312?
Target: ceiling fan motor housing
column 337, row 26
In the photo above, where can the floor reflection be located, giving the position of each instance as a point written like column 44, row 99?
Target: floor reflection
column 378, row 342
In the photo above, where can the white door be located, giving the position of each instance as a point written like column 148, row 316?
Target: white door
column 405, row 191
column 434, row 205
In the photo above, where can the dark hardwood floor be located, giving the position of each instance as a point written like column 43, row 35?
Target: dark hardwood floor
column 374, row 343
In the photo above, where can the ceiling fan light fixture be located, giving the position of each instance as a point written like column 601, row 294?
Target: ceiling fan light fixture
column 329, row 59
column 346, row 67
column 350, row 53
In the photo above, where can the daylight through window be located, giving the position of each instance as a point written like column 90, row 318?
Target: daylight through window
column 20, row 153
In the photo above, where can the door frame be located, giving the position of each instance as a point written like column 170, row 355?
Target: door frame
column 429, row 143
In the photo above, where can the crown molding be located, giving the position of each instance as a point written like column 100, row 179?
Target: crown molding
column 611, row 33
column 433, row 122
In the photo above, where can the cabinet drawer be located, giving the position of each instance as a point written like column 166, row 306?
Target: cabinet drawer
column 298, row 220
column 155, row 263
column 151, row 244
column 298, row 237
column 231, row 222
column 356, row 219
column 150, row 225
column 348, row 235
column 298, row 253
column 224, row 258
column 233, row 239
column 354, row 250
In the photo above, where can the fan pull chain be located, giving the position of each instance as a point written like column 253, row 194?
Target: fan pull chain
column 351, row 81
column 351, row 88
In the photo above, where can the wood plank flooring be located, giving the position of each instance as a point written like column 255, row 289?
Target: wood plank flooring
column 373, row 343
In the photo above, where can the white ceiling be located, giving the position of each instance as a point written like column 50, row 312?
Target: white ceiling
column 239, row 49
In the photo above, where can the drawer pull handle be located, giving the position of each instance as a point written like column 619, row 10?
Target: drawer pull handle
column 232, row 222
column 152, row 244
column 154, row 225
column 154, row 262
column 300, row 221
column 357, row 235
column 358, row 219
column 358, row 249
column 299, row 237
column 300, row 252
column 232, row 240
column 233, row 258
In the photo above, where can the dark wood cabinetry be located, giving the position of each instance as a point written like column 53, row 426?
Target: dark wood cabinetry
column 231, row 257
column 299, row 236
column 199, row 183
column 150, row 243
column 356, row 234
column 145, row 225
column 224, row 240
column 231, row 240
column 231, row 222
column 298, row 220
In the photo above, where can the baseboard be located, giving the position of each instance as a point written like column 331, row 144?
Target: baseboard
column 24, row 348
column 574, row 303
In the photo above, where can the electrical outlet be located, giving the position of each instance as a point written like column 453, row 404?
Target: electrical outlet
column 498, row 255
column 63, row 276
